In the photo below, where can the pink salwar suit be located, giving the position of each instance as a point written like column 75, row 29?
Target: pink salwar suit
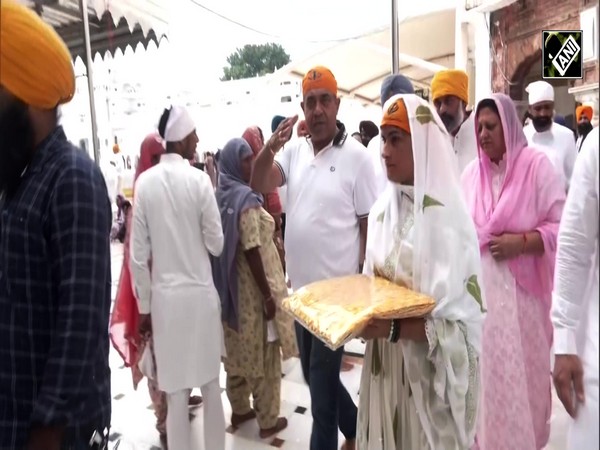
column 520, row 194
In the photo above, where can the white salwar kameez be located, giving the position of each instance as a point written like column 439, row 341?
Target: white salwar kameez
column 575, row 307
column 423, row 395
column 176, row 223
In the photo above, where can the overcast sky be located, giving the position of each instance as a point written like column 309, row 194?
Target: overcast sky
column 201, row 40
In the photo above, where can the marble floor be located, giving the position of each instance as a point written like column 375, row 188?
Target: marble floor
column 133, row 417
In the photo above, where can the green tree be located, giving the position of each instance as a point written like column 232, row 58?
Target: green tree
column 253, row 60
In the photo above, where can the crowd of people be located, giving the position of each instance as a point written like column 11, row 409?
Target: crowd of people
column 496, row 221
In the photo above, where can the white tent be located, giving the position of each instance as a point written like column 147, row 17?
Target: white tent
column 72, row 20
column 426, row 43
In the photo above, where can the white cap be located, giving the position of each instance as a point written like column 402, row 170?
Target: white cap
column 540, row 91
column 179, row 125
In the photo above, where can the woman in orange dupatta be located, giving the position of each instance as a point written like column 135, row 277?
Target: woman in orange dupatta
column 124, row 333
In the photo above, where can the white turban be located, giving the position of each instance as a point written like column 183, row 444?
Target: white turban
column 540, row 91
column 180, row 124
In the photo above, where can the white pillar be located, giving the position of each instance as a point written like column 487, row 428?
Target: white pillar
column 483, row 56
column 461, row 37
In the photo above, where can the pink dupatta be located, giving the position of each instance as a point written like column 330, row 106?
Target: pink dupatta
column 531, row 198
column 124, row 320
column 253, row 137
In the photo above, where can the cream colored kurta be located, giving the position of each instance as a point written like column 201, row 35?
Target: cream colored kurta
column 558, row 143
column 176, row 223
column 465, row 143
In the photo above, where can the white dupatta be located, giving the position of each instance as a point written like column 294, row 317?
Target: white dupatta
column 443, row 375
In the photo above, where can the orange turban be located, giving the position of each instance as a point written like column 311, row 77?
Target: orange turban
column 319, row 78
column 396, row 116
column 35, row 64
column 450, row 82
column 584, row 110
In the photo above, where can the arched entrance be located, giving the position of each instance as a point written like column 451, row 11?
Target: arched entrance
column 529, row 70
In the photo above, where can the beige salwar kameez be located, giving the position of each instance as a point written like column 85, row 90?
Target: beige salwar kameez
column 253, row 364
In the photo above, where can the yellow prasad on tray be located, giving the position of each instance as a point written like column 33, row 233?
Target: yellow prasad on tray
column 335, row 310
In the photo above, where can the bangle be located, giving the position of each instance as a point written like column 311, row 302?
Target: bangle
column 396, row 335
column 524, row 243
column 392, row 330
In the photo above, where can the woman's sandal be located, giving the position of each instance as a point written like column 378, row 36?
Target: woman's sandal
column 281, row 424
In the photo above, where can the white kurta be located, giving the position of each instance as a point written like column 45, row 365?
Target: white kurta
column 465, row 143
column 558, row 143
column 176, row 223
column 575, row 304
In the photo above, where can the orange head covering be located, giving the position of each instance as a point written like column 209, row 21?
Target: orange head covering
column 253, row 136
column 319, row 77
column 35, row 64
column 116, row 149
column 450, row 82
column 396, row 116
column 584, row 110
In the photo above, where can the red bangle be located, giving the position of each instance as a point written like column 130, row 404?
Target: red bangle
column 524, row 242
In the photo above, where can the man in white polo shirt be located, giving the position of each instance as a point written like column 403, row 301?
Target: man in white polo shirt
column 556, row 141
column 330, row 190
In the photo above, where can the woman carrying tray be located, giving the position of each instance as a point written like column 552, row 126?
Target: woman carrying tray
column 420, row 381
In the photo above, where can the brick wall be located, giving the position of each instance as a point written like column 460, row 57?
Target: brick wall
column 516, row 39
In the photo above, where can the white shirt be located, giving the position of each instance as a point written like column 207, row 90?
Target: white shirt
column 558, row 143
column 374, row 149
column 465, row 143
column 575, row 301
column 573, row 304
column 176, row 224
column 327, row 195
column 111, row 177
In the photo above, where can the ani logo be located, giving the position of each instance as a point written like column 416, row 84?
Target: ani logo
column 561, row 58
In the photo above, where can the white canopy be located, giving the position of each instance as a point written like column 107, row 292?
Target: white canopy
column 426, row 45
column 149, row 14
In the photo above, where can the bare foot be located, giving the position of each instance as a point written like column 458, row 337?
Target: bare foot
column 281, row 424
column 195, row 400
column 346, row 366
column 350, row 444
column 239, row 419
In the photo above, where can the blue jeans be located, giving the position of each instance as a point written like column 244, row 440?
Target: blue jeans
column 331, row 404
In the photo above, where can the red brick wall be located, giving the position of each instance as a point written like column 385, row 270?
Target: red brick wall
column 516, row 39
